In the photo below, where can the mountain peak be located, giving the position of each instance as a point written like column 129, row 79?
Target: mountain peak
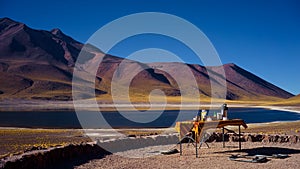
column 20, row 41
column 56, row 31
column 7, row 20
column 7, row 23
column 230, row 65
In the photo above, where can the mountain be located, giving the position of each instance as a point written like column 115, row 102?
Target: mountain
column 247, row 84
column 39, row 64
column 36, row 64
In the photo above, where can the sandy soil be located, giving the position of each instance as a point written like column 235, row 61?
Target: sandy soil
column 213, row 157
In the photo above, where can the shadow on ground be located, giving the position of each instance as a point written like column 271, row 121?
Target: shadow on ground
column 268, row 151
column 59, row 158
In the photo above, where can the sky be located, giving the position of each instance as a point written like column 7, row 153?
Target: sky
column 261, row 36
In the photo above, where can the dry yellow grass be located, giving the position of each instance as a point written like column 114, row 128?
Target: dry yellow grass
column 288, row 128
column 295, row 101
column 16, row 141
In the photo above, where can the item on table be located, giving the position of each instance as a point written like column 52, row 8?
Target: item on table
column 224, row 110
column 198, row 117
column 203, row 114
column 219, row 116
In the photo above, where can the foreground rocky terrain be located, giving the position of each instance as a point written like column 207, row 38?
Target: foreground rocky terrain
column 141, row 150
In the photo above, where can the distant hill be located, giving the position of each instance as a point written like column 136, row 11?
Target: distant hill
column 296, row 97
column 294, row 100
column 38, row 64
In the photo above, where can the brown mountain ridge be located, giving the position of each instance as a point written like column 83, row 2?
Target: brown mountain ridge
column 39, row 64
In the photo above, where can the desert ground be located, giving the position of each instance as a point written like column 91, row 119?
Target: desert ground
column 15, row 141
column 213, row 157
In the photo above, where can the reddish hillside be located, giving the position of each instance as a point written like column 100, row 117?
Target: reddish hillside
column 38, row 64
column 243, row 83
column 45, row 58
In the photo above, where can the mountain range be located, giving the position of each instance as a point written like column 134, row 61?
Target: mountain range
column 39, row 64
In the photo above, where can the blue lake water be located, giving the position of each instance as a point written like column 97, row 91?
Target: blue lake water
column 68, row 119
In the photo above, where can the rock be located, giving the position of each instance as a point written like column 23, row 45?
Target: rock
column 284, row 139
column 249, row 138
column 266, row 139
column 235, row 138
column 231, row 138
column 258, row 137
column 211, row 138
column 276, row 138
column 294, row 139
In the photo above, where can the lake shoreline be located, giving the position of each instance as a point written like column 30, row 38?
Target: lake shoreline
column 68, row 119
column 90, row 105
column 53, row 106
column 137, row 128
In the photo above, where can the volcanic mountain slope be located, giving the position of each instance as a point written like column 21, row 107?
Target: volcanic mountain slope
column 35, row 63
column 240, row 83
column 38, row 64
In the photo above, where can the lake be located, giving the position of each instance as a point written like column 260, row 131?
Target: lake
column 68, row 119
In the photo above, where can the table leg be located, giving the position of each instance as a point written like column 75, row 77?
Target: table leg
column 196, row 145
column 240, row 147
column 223, row 137
column 180, row 147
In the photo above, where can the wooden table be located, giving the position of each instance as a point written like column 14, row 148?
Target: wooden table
column 197, row 126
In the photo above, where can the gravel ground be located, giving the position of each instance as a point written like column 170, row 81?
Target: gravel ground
column 213, row 157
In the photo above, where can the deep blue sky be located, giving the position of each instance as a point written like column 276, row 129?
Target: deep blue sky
column 262, row 37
